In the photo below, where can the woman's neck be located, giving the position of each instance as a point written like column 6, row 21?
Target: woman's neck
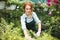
column 29, row 16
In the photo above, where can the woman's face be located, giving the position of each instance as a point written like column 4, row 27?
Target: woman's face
column 28, row 10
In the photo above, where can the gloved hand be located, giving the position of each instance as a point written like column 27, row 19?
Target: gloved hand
column 38, row 33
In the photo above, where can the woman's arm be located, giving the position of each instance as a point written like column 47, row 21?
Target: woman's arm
column 39, row 30
column 39, row 27
column 25, row 31
column 38, row 22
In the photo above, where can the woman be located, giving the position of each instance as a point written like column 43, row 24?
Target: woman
column 28, row 21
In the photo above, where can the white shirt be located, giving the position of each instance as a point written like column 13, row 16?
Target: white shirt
column 29, row 19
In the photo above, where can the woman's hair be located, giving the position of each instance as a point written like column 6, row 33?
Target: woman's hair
column 27, row 3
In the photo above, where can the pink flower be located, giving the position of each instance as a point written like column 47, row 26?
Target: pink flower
column 49, row 2
column 55, row 2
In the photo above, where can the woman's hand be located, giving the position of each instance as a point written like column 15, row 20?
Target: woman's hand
column 28, row 38
column 38, row 34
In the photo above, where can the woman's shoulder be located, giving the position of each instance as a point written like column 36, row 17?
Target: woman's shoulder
column 34, row 13
column 23, row 16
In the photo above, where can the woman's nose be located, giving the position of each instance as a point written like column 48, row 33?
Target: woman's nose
column 28, row 9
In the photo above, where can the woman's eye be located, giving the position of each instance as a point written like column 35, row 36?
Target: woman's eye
column 28, row 8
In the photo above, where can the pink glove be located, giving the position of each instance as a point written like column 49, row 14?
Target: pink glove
column 38, row 33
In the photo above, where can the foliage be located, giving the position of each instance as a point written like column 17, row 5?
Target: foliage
column 50, row 23
column 8, row 32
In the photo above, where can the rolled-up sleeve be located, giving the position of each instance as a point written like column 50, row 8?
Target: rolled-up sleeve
column 23, row 23
column 36, row 18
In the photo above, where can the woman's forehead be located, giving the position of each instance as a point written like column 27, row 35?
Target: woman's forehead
column 27, row 6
